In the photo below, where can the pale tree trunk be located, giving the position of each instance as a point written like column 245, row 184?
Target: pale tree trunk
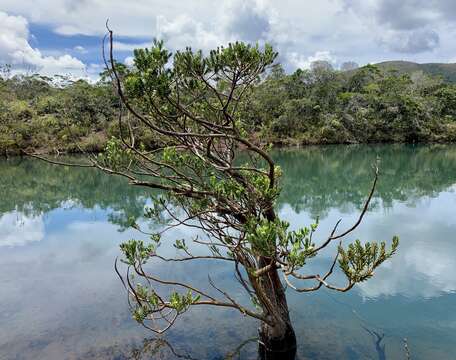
column 276, row 342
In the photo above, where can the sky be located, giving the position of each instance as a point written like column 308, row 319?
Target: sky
column 64, row 36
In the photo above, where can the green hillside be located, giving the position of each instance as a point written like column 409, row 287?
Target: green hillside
column 447, row 71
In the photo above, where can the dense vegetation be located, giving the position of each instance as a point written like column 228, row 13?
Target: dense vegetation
column 37, row 113
column 316, row 106
column 446, row 70
column 367, row 105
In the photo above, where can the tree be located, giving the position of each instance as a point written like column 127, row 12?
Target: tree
column 349, row 65
column 213, row 178
column 321, row 65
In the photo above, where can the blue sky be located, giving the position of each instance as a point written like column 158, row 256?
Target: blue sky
column 64, row 36
column 86, row 48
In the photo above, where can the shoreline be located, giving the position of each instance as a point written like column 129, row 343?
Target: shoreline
column 277, row 145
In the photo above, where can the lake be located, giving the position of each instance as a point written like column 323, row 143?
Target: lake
column 60, row 229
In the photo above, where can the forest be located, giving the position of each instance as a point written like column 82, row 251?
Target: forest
column 320, row 105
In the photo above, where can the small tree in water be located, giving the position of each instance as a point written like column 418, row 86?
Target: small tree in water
column 214, row 178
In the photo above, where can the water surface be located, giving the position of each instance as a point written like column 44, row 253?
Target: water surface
column 60, row 229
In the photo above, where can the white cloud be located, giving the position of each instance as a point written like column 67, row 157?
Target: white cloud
column 302, row 62
column 80, row 49
column 88, row 17
column 129, row 61
column 183, row 31
column 16, row 50
column 19, row 229
column 122, row 46
column 414, row 41
column 348, row 30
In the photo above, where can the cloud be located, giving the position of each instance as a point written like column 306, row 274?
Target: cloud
column 349, row 30
column 245, row 20
column 122, row 46
column 408, row 26
column 302, row 62
column 416, row 271
column 183, row 31
column 235, row 20
column 413, row 42
column 129, row 61
column 80, row 49
column 392, row 14
column 405, row 15
column 15, row 49
column 88, row 17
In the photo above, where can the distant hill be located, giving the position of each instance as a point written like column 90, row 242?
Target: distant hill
column 447, row 71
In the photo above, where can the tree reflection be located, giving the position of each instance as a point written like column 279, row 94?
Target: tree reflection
column 315, row 179
column 377, row 338
column 160, row 348
column 33, row 187
column 156, row 348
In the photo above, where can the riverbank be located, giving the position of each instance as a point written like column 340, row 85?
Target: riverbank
column 97, row 143
column 309, row 107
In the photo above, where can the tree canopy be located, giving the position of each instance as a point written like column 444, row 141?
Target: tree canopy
column 215, row 180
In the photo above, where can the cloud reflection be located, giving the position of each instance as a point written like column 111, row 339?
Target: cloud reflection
column 424, row 265
column 19, row 229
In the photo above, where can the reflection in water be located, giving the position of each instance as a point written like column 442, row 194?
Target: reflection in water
column 59, row 237
column 340, row 176
column 19, row 229
column 155, row 348
column 35, row 187
column 160, row 348
column 377, row 338
column 426, row 264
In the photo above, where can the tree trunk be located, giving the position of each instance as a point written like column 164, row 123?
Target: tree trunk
column 273, row 347
column 276, row 342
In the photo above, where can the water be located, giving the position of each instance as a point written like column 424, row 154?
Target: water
column 59, row 235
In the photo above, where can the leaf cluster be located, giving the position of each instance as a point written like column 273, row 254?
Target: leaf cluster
column 358, row 262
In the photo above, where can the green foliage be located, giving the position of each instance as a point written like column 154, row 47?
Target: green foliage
column 444, row 71
column 180, row 245
column 151, row 76
column 181, row 302
column 204, row 108
column 370, row 104
column 58, row 114
column 115, row 156
column 262, row 235
column 358, row 262
column 267, row 238
column 316, row 106
column 300, row 246
column 135, row 251
column 147, row 302
column 226, row 187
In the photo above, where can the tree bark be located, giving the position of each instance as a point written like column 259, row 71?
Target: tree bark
column 276, row 342
column 271, row 347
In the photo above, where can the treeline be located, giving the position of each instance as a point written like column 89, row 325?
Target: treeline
column 316, row 106
column 37, row 113
column 365, row 105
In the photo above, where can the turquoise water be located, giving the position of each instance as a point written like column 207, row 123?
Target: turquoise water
column 60, row 229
